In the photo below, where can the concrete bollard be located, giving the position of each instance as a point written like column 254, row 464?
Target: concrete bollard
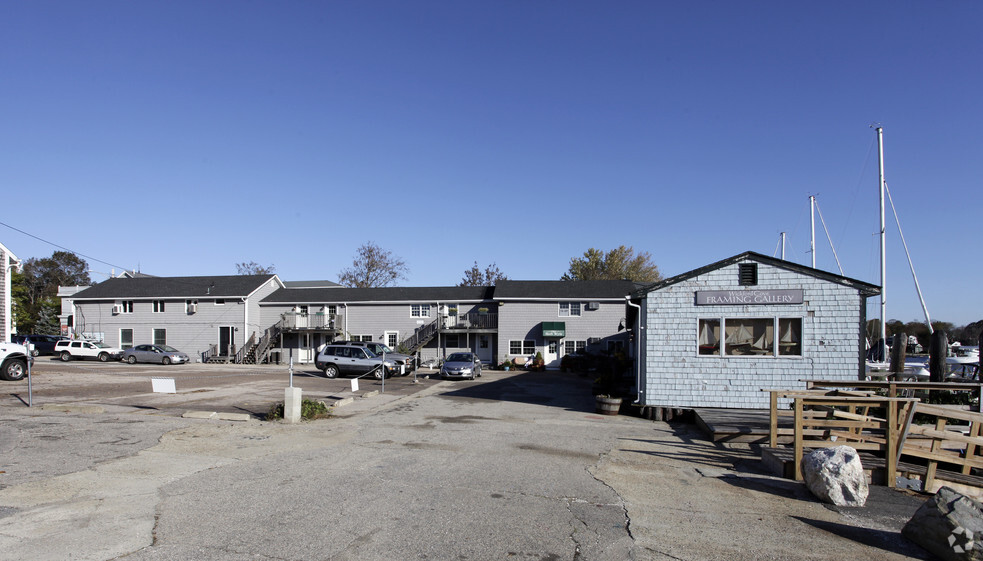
column 291, row 405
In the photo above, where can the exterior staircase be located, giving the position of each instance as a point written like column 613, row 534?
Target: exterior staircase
column 421, row 337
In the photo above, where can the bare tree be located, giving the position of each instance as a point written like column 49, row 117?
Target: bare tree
column 373, row 267
column 476, row 277
column 254, row 268
column 618, row 264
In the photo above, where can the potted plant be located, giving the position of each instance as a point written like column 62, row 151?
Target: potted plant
column 506, row 365
column 608, row 387
column 538, row 363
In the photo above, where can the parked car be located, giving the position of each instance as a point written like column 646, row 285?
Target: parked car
column 160, row 354
column 13, row 361
column 43, row 344
column 68, row 349
column 461, row 365
column 349, row 360
column 405, row 363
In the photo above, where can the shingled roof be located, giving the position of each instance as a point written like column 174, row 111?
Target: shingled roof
column 391, row 294
column 233, row 286
column 559, row 290
column 864, row 288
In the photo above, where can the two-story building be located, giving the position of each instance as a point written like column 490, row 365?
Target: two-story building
column 260, row 318
column 8, row 263
column 202, row 316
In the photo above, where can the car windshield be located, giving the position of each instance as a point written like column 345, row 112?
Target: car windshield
column 459, row 357
column 167, row 349
column 369, row 352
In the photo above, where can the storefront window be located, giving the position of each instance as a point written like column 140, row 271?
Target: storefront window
column 750, row 336
column 709, row 337
column 790, row 336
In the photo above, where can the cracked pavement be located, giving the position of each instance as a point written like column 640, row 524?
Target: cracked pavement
column 515, row 466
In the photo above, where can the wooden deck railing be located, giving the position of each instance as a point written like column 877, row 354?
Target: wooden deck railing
column 940, row 443
column 904, row 389
column 826, row 419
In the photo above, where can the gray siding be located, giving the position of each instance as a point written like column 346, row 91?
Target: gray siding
column 190, row 333
column 675, row 375
column 5, row 305
column 522, row 320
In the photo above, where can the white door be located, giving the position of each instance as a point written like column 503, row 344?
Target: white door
column 484, row 350
column 552, row 356
column 305, row 353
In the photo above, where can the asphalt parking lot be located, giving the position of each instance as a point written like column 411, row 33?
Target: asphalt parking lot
column 224, row 388
column 512, row 465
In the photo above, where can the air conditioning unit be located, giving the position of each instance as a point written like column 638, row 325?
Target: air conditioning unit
column 593, row 305
column 593, row 340
column 117, row 309
column 192, row 307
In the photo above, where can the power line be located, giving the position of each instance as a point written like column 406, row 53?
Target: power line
column 62, row 247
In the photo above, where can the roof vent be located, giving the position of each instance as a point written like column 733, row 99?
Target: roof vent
column 747, row 274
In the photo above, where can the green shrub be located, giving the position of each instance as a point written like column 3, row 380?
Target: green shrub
column 309, row 410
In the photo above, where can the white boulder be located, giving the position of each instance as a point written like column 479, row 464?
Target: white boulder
column 836, row 476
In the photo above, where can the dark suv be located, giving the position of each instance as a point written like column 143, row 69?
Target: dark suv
column 43, row 344
column 404, row 363
column 348, row 360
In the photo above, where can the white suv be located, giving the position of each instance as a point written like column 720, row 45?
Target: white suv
column 13, row 361
column 67, row 350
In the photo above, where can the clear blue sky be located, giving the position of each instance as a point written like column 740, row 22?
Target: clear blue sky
column 183, row 137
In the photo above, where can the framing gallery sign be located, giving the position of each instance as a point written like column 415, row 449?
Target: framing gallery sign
column 741, row 297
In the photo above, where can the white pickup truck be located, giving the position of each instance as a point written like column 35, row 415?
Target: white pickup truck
column 13, row 361
column 69, row 349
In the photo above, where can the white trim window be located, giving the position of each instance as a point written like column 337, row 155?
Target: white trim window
column 520, row 347
column 160, row 336
column 392, row 339
column 569, row 309
column 751, row 337
column 365, row 338
column 419, row 310
column 570, row 346
column 158, row 306
column 127, row 306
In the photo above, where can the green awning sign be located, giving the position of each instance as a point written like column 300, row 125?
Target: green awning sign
column 554, row 329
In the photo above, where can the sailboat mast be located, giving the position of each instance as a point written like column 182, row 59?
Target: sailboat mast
column 812, row 228
column 880, row 167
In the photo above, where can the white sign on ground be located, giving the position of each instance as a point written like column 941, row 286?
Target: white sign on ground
column 354, row 384
column 163, row 385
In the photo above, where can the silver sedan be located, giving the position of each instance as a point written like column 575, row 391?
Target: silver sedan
column 461, row 365
column 160, row 354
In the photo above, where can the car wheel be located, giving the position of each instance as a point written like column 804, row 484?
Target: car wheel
column 330, row 371
column 132, row 359
column 377, row 373
column 103, row 357
column 166, row 360
column 14, row 369
column 35, row 352
column 66, row 356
